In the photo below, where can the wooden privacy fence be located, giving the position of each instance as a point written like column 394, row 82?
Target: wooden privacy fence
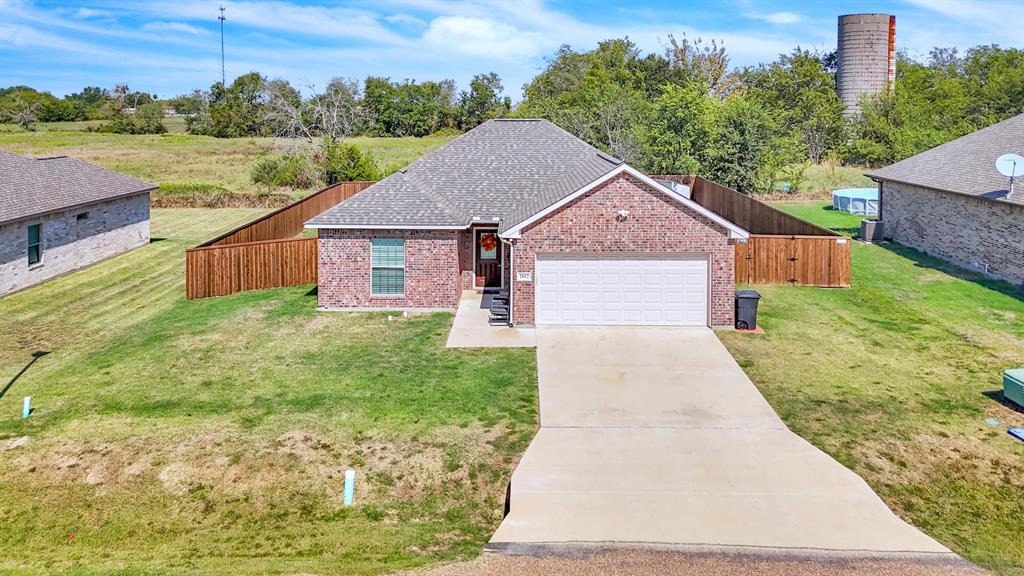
column 752, row 215
column 782, row 249
column 822, row 261
column 265, row 252
column 231, row 268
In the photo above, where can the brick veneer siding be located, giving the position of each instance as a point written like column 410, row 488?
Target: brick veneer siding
column 656, row 224
column 113, row 227
column 969, row 232
column 466, row 259
column 432, row 276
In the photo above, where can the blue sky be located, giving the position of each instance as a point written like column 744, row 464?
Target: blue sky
column 171, row 47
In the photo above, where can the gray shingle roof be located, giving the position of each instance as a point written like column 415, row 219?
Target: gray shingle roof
column 31, row 186
column 507, row 169
column 966, row 165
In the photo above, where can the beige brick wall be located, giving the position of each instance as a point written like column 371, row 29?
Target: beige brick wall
column 112, row 227
column 973, row 233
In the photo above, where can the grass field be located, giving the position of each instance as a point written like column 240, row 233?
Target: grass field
column 210, row 437
column 895, row 378
column 174, row 126
column 823, row 215
column 183, row 158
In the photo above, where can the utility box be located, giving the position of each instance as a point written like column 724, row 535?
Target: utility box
column 871, row 230
column 746, row 309
column 1013, row 386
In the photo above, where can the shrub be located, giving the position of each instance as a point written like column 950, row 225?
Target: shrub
column 148, row 119
column 343, row 162
column 290, row 169
column 447, row 133
column 331, row 162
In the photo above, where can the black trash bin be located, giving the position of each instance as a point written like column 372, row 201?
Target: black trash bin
column 746, row 309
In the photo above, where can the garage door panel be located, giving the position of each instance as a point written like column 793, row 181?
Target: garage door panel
column 592, row 289
column 631, row 296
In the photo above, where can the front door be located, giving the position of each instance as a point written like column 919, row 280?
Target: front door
column 487, row 254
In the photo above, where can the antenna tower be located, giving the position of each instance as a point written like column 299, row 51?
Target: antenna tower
column 222, row 19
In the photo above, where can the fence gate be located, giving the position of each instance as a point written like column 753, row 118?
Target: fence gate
column 794, row 260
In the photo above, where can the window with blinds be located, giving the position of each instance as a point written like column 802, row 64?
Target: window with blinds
column 387, row 266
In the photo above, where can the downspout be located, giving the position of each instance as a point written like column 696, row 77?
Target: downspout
column 881, row 199
column 511, row 275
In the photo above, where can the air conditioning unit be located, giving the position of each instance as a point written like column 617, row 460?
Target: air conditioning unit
column 871, row 230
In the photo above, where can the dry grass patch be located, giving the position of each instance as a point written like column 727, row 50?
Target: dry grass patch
column 211, row 436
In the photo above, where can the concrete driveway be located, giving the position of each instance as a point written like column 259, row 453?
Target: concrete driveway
column 655, row 435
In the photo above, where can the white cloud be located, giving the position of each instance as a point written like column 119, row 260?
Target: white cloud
column 776, row 17
column 85, row 13
column 1002, row 22
column 405, row 20
column 482, row 38
column 339, row 22
column 25, row 36
column 174, row 27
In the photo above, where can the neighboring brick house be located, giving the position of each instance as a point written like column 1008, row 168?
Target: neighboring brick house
column 952, row 203
column 576, row 236
column 60, row 214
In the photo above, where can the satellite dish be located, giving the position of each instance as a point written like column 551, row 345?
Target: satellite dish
column 1010, row 165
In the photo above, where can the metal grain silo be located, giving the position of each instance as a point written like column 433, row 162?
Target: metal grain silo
column 866, row 57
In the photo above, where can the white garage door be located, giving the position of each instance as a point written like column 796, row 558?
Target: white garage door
column 605, row 289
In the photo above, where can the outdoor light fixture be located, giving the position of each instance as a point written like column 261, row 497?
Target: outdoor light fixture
column 622, row 215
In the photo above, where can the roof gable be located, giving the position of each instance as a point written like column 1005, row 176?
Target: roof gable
column 35, row 186
column 512, row 229
column 965, row 165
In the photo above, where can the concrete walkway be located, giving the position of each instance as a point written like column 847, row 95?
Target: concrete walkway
column 471, row 330
column 655, row 435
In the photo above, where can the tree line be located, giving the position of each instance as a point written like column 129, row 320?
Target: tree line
column 252, row 105
column 684, row 110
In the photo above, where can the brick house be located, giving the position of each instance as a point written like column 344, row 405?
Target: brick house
column 951, row 202
column 60, row 214
column 520, row 206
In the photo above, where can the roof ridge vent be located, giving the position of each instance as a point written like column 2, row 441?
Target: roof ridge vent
column 609, row 158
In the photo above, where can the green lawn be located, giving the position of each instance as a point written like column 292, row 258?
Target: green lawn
column 895, row 378
column 210, row 437
column 823, row 215
column 183, row 158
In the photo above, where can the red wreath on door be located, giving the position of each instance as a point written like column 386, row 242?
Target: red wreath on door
column 488, row 242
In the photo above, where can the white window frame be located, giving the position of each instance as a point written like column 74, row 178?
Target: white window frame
column 372, row 267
